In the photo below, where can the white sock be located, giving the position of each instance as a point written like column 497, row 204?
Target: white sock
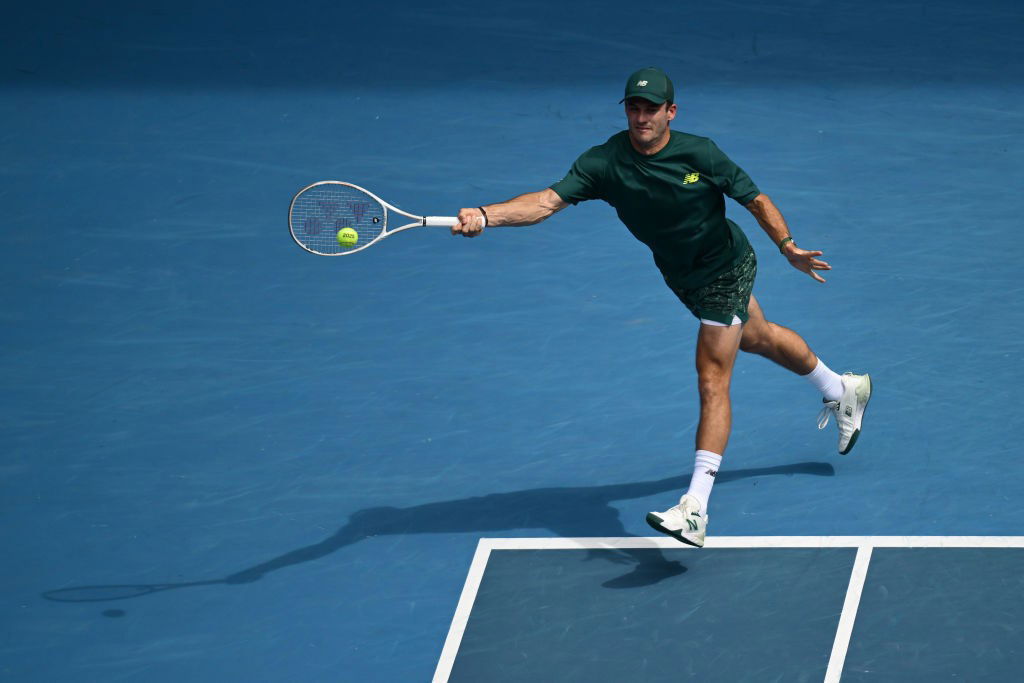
column 827, row 382
column 705, row 467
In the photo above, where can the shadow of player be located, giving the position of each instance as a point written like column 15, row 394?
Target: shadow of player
column 562, row 511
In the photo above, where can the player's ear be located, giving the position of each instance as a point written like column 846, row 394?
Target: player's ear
column 670, row 109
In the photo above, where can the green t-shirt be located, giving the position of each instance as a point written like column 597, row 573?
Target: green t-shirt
column 672, row 201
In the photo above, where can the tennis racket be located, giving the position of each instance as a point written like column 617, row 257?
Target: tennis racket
column 320, row 211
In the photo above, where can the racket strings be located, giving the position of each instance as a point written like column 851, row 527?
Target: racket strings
column 320, row 212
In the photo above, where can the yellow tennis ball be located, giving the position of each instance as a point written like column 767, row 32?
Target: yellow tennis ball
column 347, row 237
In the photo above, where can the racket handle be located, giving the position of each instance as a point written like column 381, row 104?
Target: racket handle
column 440, row 221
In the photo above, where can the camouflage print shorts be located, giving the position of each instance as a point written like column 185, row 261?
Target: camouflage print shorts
column 725, row 296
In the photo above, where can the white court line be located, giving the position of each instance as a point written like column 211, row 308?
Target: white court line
column 864, row 544
column 458, row 627
column 631, row 542
column 848, row 616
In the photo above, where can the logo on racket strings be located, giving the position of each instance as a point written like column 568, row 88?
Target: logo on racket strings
column 328, row 207
column 358, row 210
column 313, row 225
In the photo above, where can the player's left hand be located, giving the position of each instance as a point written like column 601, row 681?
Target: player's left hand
column 805, row 261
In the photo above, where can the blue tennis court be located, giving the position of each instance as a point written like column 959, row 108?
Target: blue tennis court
column 225, row 459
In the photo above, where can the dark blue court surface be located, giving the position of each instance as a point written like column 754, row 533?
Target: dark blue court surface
column 952, row 614
column 225, row 459
column 718, row 618
column 742, row 609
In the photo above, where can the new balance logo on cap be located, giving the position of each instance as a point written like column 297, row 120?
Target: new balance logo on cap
column 651, row 84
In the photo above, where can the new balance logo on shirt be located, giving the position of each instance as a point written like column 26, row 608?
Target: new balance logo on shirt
column 691, row 178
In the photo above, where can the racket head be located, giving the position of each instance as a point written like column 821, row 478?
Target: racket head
column 320, row 210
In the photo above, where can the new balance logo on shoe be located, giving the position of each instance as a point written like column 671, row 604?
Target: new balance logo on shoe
column 684, row 522
column 849, row 411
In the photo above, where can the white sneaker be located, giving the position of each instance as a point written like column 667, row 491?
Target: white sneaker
column 849, row 410
column 684, row 521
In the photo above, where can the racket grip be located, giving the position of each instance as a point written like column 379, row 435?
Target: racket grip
column 440, row 221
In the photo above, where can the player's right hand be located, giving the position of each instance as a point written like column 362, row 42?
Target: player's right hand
column 471, row 223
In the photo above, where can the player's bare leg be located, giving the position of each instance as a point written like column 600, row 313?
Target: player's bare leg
column 775, row 342
column 716, row 355
column 846, row 397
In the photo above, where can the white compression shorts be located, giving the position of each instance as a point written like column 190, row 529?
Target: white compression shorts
column 735, row 321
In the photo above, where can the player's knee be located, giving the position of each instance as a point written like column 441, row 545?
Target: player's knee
column 749, row 344
column 713, row 384
column 756, row 339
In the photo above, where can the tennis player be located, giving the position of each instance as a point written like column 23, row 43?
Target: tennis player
column 669, row 189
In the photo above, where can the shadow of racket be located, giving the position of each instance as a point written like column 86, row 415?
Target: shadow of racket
column 118, row 592
column 554, row 508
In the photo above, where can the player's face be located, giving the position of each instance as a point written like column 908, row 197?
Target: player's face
column 648, row 122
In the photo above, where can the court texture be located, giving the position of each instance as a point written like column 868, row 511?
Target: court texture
column 225, row 459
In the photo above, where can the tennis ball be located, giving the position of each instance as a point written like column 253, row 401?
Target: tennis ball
column 347, row 237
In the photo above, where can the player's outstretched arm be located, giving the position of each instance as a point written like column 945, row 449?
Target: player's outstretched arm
column 771, row 221
column 526, row 209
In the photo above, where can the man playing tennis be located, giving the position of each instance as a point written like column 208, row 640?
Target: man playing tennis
column 668, row 188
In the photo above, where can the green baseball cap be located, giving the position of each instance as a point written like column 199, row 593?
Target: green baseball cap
column 652, row 84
